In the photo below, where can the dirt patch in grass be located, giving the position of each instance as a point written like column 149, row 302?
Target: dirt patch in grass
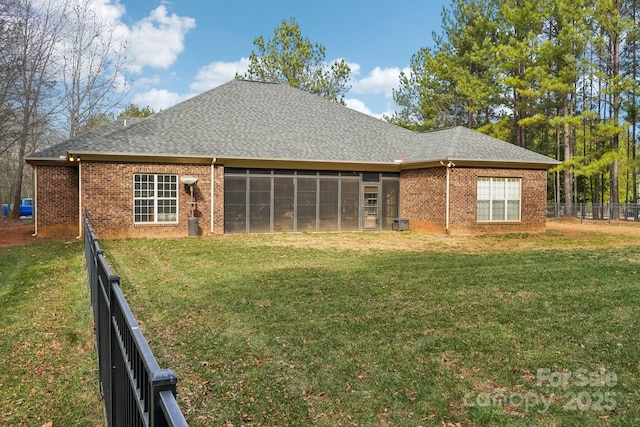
column 13, row 233
column 577, row 226
column 564, row 233
column 560, row 234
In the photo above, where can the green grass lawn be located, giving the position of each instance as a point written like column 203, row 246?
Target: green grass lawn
column 47, row 357
column 329, row 329
column 333, row 329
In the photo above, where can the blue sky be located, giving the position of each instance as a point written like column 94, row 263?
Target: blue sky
column 181, row 48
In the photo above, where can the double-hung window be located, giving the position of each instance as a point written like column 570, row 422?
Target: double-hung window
column 155, row 199
column 499, row 199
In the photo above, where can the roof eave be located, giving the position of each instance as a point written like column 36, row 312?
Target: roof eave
column 139, row 157
column 479, row 163
column 43, row 161
column 230, row 161
column 307, row 164
column 291, row 163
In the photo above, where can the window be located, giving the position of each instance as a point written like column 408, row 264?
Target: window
column 499, row 199
column 155, row 198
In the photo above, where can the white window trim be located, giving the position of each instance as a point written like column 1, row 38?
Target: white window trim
column 155, row 199
column 506, row 200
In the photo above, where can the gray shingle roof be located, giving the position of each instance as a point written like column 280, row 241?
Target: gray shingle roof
column 463, row 144
column 257, row 120
column 60, row 150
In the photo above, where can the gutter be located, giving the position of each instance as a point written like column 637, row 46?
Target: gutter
column 212, row 185
column 448, row 166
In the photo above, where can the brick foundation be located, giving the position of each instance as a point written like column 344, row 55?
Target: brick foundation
column 218, row 200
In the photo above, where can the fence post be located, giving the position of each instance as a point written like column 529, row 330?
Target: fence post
column 161, row 380
column 113, row 415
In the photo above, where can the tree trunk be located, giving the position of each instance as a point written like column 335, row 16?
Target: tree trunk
column 15, row 213
column 568, row 173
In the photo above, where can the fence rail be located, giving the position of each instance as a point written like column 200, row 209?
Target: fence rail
column 600, row 211
column 136, row 391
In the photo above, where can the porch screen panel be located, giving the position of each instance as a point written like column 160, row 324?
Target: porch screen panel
column 283, row 204
column 306, row 204
column 259, row 204
column 328, row 204
column 349, row 204
column 390, row 202
column 235, row 204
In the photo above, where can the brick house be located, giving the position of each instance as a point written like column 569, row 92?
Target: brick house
column 271, row 158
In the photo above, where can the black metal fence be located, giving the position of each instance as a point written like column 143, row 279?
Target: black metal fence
column 600, row 211
column 136, row 391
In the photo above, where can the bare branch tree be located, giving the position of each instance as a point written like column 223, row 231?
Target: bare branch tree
column 93, row 66
column 35, row 32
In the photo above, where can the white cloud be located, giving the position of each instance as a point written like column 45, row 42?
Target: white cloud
column 217, row 73
column 147, row 81
column 378, row 81
column 158, row 99
column 108, row 10
column 355, row 68
column 156, row 40
column 358, row 105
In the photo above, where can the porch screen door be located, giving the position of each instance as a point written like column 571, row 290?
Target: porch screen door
column 371, row 207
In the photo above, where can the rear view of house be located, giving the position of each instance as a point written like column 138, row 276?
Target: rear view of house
column 254, row 157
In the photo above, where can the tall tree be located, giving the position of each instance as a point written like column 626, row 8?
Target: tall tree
column 426, row 99
column 455, row 82
column 133, row 110
column 608, row 44
column 471, row 32
column 37, row 30
column 93, row 60
column 632, row 108
column 553, row 76
column 521, row 25
column 293, row 59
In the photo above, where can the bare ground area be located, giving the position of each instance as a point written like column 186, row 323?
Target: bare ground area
column 561, row 233
column 14, row 233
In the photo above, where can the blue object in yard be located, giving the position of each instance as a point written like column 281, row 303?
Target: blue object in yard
column 26, row 207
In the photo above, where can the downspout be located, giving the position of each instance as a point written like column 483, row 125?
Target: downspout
column 448, row 166
column 447, row 203
column 213, row 167
column 35, row 204
column 79, row 200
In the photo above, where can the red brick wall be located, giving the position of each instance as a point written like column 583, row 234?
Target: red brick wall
column 107, row 194
column 463, row 207
column 422, row 199
column 218, row 200
column 56, row 207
